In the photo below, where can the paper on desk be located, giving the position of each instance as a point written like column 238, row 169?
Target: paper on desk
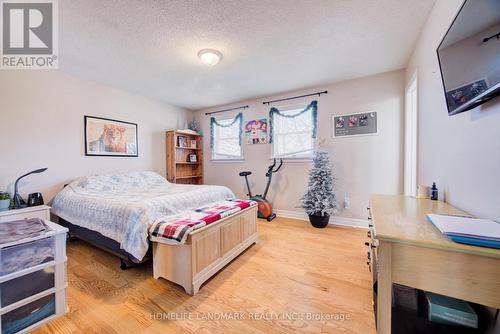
column 478, row 228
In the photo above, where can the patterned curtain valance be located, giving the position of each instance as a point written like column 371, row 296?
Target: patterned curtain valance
column 312, row 107
column 213, row 123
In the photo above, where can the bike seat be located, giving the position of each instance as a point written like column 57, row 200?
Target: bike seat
column 245, row 173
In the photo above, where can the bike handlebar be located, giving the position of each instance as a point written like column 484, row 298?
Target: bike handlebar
column 277, row 169
column 271, row 169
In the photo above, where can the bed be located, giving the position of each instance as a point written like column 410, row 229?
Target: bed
column 114, row 211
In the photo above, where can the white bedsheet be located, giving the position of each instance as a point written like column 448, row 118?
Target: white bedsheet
column 123, row 206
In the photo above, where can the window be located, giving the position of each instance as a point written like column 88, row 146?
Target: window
column 293, row 131
column 410, row 178
column 226, row 138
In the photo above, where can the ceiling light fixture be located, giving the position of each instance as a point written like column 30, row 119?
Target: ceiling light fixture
column 210, row 57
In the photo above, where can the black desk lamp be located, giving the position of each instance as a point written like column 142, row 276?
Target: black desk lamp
column 18, row 200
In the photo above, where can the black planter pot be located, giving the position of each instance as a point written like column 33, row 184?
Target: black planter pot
column 319, row 221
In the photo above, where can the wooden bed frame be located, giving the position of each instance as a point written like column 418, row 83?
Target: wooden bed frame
column 206, row 250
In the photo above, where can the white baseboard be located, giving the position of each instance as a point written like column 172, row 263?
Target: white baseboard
column 299, row 215
column 351, row 222
column 334, row 220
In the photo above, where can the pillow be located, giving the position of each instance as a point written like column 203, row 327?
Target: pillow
column 118, row 182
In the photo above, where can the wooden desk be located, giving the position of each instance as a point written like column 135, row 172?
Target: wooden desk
column 412, row 252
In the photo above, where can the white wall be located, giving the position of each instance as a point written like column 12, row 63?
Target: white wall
column 460, row 153
column 364, row 165
column 41, row 125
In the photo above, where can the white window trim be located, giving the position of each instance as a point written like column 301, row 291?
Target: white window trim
column 227, row 160
column 294, row 158
column 239, row 158
column 411, row 136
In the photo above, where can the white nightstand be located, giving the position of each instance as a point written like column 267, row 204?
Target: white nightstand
column 40, row 211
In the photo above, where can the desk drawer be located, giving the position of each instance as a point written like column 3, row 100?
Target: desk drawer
column 371, row 249
column 374, row 264
column 372, row 260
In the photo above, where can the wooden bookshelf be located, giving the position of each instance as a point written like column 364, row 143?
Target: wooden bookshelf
column 179, row 168
column 188, row 148
column 188, row 177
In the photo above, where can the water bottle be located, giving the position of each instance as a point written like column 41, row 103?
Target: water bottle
column 434, row 192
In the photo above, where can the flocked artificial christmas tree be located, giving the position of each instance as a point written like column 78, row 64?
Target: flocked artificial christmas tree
column 320, row 202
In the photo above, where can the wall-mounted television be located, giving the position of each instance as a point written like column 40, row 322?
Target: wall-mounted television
column 469, row 56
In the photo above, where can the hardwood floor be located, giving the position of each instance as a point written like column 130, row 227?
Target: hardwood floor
column 274, row 287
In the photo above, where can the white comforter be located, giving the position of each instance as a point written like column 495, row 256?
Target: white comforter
column 123, row 206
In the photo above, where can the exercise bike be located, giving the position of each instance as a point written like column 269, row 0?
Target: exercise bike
column 265, row 208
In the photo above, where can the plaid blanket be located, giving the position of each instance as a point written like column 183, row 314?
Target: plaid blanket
column 175, row 229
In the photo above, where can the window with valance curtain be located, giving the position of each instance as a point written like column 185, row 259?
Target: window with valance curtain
column 226, row 138
column 293, row 130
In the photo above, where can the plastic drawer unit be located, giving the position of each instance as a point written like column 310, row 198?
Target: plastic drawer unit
column 33, row 280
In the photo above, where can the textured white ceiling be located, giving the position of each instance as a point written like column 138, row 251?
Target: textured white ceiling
column 150, row 47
